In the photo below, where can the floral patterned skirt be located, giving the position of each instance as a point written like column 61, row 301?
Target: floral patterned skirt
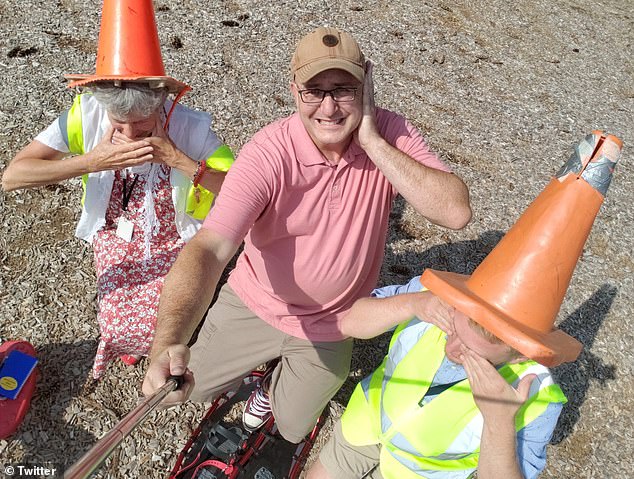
column 128, row 283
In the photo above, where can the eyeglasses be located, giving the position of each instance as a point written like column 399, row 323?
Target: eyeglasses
column 339, row 95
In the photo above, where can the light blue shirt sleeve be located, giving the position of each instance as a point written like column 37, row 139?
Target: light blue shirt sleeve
column 533, row 439
column 414, row 286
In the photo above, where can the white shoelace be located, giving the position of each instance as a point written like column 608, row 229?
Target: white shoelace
column 260, row 404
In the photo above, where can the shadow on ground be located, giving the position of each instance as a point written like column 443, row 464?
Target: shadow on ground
column 574, row 378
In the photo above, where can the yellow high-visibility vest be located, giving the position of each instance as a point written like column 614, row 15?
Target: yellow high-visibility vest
column 442, row 434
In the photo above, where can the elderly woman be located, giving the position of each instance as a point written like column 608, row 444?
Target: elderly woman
column 139, row 204
column 150, row 168
column 146, row 183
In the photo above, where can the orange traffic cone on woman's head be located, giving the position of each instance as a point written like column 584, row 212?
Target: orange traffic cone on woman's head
column 517, row 290
column 129, row 49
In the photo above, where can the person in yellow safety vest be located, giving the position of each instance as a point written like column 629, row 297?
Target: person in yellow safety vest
column 149, row 168
column 465, row 385
column 436, row 407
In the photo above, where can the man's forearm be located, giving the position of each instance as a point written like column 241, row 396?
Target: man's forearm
column 498, row 456
column 188, row 289
column 441, row 197
column 370, row 317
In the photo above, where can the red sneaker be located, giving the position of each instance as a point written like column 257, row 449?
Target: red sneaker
column 130, row 359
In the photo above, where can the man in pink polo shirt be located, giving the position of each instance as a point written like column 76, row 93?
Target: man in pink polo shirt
column 310, row 196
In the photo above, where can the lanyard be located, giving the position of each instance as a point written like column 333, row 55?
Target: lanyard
column 127, row 194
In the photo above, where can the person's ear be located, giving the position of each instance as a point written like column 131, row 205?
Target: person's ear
column 519, row 358
column 295, row 92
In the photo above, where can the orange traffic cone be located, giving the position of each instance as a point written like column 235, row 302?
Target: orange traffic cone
column 129, row 49
column 516, row 292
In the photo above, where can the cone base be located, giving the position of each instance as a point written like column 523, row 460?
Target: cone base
column 550, row 348
column 174, row 86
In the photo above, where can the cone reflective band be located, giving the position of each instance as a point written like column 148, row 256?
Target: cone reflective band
column 129, row 48
column 517, row 291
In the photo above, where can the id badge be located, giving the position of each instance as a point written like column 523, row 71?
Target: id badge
column 125, row 228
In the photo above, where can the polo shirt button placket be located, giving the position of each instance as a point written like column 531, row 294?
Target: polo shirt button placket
column 335, row 195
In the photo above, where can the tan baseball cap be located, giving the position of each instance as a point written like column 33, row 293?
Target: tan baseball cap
column 325, row 49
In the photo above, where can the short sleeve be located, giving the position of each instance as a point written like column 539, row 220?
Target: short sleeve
column 210, row 144
column 53, row 137
column 533, row 439
column 246, row 192
column 406, row 137
column 413, row 286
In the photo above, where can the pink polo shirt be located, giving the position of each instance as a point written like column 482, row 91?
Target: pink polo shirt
column 314, row 233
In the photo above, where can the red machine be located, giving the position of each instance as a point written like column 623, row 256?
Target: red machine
column 17, row 383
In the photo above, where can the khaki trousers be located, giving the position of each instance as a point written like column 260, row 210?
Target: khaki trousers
column 342, row 460
column 233, row 341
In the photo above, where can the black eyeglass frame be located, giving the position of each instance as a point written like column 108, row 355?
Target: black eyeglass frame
column 328, row 92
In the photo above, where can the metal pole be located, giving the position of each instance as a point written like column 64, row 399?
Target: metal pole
column 92, row 460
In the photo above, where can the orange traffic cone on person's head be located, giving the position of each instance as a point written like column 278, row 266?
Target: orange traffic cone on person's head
column 516, row 292
column 129, row 49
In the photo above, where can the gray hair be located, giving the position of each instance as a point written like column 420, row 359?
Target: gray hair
column 130, row 99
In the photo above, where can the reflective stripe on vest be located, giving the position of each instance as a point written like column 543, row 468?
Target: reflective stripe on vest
column 199, row 199
column 385, row 408
column 75, row 136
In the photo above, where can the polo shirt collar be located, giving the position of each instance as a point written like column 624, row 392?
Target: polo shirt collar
column 307, row 152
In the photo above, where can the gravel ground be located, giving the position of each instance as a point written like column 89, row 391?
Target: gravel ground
column 502, row 90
